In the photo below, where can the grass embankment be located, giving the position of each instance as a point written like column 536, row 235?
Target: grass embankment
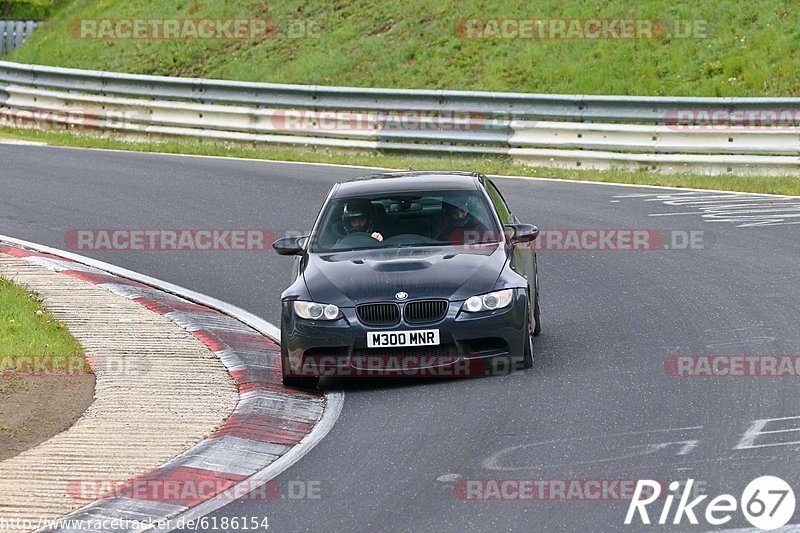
column 733, row 48
column 45, row 382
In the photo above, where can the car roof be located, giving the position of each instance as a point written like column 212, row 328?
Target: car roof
column 409, row 181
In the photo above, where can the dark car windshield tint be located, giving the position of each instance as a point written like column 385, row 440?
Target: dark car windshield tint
column 408, row 219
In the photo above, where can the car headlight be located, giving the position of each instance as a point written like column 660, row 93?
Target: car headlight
column 316, row 311
column 489, row 302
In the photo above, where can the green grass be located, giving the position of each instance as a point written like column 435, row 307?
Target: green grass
column 500, row 165
column 27, row 9
column 749, row 48
column 23, row 332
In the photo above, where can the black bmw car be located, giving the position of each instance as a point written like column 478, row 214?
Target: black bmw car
column 410, row 273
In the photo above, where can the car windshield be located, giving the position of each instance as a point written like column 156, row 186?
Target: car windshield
column 427, row 218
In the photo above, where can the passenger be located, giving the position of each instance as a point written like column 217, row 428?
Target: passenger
column 461, row 226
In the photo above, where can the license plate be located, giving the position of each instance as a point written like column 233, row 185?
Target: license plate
column 420, row 337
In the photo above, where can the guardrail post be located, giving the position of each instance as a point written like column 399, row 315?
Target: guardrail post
column 13, row 33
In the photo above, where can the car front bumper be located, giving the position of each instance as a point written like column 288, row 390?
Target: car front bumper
column 469, row 344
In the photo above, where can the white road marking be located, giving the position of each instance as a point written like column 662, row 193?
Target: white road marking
column 748, row 440
column 745, row 210
column 20, row 142
column 739, row 342
column 494, row 461
column 686, row 448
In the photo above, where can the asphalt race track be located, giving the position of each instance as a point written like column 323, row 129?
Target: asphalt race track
column 598, row 404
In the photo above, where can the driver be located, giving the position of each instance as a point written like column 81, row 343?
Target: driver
column 359, row 216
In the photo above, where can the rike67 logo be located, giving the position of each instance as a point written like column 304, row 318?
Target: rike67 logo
column 767, row 502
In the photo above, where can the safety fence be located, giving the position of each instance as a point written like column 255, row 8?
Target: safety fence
column 671, row 134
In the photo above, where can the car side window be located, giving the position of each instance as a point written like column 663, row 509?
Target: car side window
column 499, row 203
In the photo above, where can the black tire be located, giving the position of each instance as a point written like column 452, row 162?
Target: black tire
column 527, row 354
column 301, row 382
column 537, row 329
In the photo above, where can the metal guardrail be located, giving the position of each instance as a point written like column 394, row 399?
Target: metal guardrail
column 553, row 130
column 13, row 33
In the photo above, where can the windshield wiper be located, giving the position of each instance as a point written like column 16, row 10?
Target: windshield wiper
column 419, row 244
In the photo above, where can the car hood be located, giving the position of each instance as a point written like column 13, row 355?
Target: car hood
column 354, row 277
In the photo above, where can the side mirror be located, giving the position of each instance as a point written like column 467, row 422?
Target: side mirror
column 289, row 245
column 523, row 233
